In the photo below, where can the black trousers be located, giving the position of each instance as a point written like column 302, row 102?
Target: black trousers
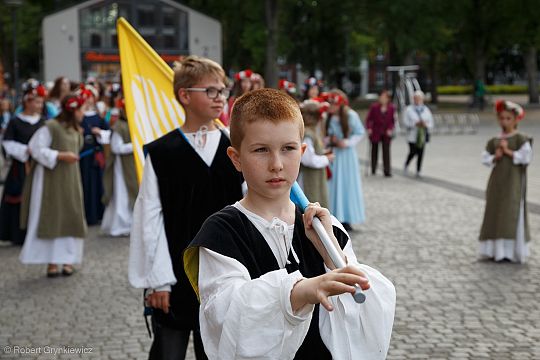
column 171, row 344
column 385, row 154
column 415, row 151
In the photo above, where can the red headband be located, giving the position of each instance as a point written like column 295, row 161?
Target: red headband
column 517, row 110
column 286, row 85
column 73, row 103
column 244, row 74
column 324, row 104
column 335, row 99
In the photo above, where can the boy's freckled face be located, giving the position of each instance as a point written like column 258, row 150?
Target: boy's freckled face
column 269, row 157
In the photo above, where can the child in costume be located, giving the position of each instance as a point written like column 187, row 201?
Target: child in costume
column 15, row 142
column 119, row 179
column 345, row 130
column 96, row 133
column 52, row 209
column 260, row 269
column 313, row 176
column 505, row 229
column 187, row 177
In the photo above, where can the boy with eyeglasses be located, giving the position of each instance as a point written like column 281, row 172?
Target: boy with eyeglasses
column 187, row 177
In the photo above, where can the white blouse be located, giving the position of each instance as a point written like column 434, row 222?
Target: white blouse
column 522, row 156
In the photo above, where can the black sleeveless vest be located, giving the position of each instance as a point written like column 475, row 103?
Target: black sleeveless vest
column 190, row 191
column 230, row 233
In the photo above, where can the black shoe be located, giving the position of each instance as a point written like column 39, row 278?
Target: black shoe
column 387, row 175
column 68, row 270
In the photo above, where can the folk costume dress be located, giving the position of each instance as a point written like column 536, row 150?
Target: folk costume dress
column 19, row 131
column 313, row 168
column 244, row 268
column 505, row 229
column 92, row 166
column 345, row 185
column 185, row 180
column 53, row 211
column 120, row 183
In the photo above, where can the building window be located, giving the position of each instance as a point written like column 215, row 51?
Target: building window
column 164, row 27
column 95, row 40
column 146, row 15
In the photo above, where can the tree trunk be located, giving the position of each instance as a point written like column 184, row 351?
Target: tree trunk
column 531, row 66
column 433, row 75
column 479, row 65
column 271, row 19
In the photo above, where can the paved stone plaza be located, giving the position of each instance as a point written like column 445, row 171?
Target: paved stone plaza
column 420, row 233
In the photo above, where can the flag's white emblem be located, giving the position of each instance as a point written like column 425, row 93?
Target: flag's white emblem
column 154, row 113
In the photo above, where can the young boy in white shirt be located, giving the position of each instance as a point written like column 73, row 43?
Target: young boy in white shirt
column 261, row 271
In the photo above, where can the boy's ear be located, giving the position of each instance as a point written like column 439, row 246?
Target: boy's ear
column 234, row 155
column 303, row 148
column 183, row 96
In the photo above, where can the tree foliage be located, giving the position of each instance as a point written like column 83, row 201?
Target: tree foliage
column 453, row 39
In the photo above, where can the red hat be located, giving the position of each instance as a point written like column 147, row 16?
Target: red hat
column 244, row 74
column 516, row 109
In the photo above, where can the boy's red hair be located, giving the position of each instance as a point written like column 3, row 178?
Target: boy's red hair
column 263, row 105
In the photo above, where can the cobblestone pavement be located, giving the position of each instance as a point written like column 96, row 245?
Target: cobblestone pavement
column 422, row 236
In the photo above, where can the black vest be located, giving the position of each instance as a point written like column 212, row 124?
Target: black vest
column 230, row 233
column 190, row 191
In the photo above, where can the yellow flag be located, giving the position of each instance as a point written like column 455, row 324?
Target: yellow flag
column 151, row 107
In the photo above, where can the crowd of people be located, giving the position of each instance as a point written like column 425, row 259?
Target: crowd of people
column 62, row 165
column 252, row 262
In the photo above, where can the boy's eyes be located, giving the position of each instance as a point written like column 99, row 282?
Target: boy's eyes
column 285, row 148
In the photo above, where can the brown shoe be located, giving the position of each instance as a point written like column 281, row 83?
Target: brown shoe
column 52, row 271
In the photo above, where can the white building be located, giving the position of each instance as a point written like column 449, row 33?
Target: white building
column 81, row 40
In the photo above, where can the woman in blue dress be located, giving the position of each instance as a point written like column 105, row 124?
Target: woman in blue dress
column 96, row 133
column 345, row 130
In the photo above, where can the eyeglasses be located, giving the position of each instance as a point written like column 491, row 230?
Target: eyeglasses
column 212, row 92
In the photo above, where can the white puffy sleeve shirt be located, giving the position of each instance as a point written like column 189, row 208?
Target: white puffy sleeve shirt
column 241, row 318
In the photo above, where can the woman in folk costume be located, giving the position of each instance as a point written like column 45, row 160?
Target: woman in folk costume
column 315, row 159
column 505, row 229
column 345, row 130
column 119, row 179
column 52, row 209
column 19, row 131
column 96, row 133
